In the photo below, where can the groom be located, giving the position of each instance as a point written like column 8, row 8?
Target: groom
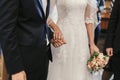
column 25, row 38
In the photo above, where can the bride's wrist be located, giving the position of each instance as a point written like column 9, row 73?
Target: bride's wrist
column 53, row 26
column 92, row 44
column 56, row 28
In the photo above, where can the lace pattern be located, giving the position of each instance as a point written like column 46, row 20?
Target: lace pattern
column 69, row 60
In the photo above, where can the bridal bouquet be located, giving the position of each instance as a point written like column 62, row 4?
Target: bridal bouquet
column 97, row 61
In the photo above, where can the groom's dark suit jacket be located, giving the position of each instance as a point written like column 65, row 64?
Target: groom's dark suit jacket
column 21, row 23
column 113, row 32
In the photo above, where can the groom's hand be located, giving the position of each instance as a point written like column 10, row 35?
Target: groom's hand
column 19, row 76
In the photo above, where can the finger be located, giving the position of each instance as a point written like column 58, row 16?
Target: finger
column 54, row 40
column 111, row 53
column 59, row 36
column 51, row 41
column 59, row 44
column 57, row 41
column 108, row 52
column 25, row 78
column 56, row 44
column 54, row 35
column 98, row 51
column 63, row 40
column 91, row 51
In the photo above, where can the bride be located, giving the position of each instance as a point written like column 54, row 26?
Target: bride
column 76, row 20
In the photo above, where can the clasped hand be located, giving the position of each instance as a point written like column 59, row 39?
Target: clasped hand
column 58, row 39
column 94, row 48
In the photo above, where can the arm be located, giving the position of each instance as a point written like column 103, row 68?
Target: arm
column 93, row 47
column 90, row 15
column 58, row 38
column 8, row 20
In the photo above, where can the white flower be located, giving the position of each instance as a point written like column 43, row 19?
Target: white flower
column 97, row 61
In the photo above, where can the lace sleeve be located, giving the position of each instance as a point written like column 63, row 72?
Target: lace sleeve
column 91, row 12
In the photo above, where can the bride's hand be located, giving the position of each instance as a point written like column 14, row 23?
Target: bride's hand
column 58, row 36
column 57, row 43
column 94, row 48
column 58, row 39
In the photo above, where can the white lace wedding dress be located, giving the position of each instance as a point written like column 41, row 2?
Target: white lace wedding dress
column 70, row 60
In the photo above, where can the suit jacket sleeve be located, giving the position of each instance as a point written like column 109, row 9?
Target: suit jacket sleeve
column 8, row 20
column 112, row 26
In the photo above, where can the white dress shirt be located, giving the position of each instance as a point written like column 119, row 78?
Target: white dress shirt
column 44, row 5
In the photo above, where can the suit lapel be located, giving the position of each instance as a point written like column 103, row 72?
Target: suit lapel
column 39, row 7
column 47, row 8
